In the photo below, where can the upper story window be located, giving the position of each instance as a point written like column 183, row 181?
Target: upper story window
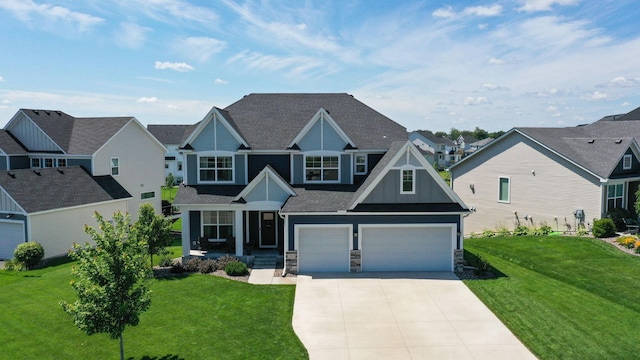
column 48, row 162
column 216, row 168
column 322, row 168
column 504, row 190
column 147, row 195
column 407, row 181
column 35, row 162
column 626, row 162
column 361, row 164
column 62, row 162
column 115, row 166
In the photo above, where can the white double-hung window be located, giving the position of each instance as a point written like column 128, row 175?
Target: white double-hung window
column 215, row 168
column 217, row 225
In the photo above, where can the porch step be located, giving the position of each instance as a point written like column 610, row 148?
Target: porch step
column 264, row 262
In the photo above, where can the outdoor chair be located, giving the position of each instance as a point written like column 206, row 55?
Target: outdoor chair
column 632, row 226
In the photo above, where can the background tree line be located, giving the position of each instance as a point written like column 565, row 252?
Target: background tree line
column 477, row 133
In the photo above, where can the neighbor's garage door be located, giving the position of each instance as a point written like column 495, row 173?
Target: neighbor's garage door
column 11, row 235
column 323, row 248
column 407, row 248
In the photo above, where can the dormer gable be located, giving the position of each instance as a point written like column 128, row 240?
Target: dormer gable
column 23, row 128
column 215, row 133
column 321, row 133
column 403, row 175
column 267, row 186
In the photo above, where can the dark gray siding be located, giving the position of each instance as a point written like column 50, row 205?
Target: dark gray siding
column 345, row 168
column 388, row 190
column 298, row 169
column 239, row 169
column 19, row 162
column 279, row 162
column 3, row 163
column 619, row 171
column 192, row 169
column 194, row 228
column 370, row 219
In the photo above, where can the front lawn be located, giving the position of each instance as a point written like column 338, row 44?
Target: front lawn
column 564, row 297
column 191, row 317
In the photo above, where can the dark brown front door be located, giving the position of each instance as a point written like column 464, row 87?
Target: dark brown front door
column 268, row 230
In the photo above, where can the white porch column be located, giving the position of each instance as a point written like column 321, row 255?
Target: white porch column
column 186, row 242
column 239, row 233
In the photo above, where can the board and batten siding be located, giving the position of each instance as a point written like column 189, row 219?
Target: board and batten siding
column 543, row 186
column 31, row 136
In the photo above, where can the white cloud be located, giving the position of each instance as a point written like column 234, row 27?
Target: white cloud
column 295, row 66
column 622, row 82
column 495, row 61
column 152, row 99
column 596, row 96
column 483, row 26
column 1, row 79
column 131, row 35
column 493, row 87
column 493, row 10
column 220, row 82
column 470, row 101
column 445, row 12
column 200, row 48
column 181, row 67
column 552, row 108
column 173, row 107
column 170, row 11
column 543, row 5
column 32, row 12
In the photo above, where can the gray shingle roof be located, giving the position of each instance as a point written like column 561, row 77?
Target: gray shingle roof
column 435, row 139
column 598, row 147
column 320, row 198
column 284, row 115
column 168, row 134
column 9, row 145
column 56, row 188
column 207, row 194
column 82, row 136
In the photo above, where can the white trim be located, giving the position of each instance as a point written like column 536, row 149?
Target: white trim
column 624, row 158
column 296, row 237
column 217, row 224
column 322, row 155
column 355, row 164
column 216, row 155
column 453, row 227
column 265, row 173
column 500, row 177
column 111, row 165
column 125, row 200
column 409, row 146
column 321, row 115
column 413, row 180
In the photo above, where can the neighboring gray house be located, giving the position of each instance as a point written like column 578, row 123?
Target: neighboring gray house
column 51, row 206
column 475, row 146
column 171, row 136
column 562, row 177
column 119, row 148
column 322, row 179
column 445, row 150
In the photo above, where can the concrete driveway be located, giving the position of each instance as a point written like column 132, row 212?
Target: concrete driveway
column 398, row 316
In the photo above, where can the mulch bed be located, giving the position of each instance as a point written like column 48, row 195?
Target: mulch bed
column 612, row 241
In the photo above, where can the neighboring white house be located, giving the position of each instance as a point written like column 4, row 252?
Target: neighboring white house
column 444, row 149
column 561, row 177
column 171, row 136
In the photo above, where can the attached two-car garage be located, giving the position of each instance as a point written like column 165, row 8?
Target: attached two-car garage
column 384, row 247
column 11, row 235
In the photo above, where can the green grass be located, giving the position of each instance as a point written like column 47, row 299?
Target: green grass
column 564, row 297
column 191, row 317
column 169, row 194
column 446, row 176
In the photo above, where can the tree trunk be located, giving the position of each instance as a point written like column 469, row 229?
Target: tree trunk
column 121, row 348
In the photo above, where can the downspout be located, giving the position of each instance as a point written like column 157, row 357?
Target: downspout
column 286, row 238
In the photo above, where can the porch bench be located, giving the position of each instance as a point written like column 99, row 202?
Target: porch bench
column 632, row 226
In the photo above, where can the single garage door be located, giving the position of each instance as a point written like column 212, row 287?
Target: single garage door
column 323, row 248
column 11, row 235
column 407, row 248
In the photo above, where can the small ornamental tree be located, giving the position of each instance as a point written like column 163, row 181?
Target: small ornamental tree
column 111, row 279
column 153, row 229
column 169, row 181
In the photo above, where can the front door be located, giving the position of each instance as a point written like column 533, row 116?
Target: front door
column 268, row 230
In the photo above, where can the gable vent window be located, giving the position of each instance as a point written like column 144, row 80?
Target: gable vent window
column 626, row 162
column 216, row 168
column 322, row 168
column 407, row 181
column 115, row 166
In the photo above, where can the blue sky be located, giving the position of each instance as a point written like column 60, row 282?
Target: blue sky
column 426, row 64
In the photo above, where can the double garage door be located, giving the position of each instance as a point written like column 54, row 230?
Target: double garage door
column 418, row 247
column 11, row 235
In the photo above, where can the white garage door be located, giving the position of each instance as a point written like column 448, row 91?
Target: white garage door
column 407, row 248
column 323, row 248
column 11, row 235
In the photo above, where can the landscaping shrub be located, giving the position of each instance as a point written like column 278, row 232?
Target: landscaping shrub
column 207, row 266
column 603, row 228
column 542, row 231
column 582, row 230
column 503, row 231
column 488, row 233
column 29, row 254
column 618, row 215
column 521, row 231
column 177, row 268
column 236, row 268
column 627, row 241
column 221, row 263
column 166, row 262
column 13, row 265
column 192, row 264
